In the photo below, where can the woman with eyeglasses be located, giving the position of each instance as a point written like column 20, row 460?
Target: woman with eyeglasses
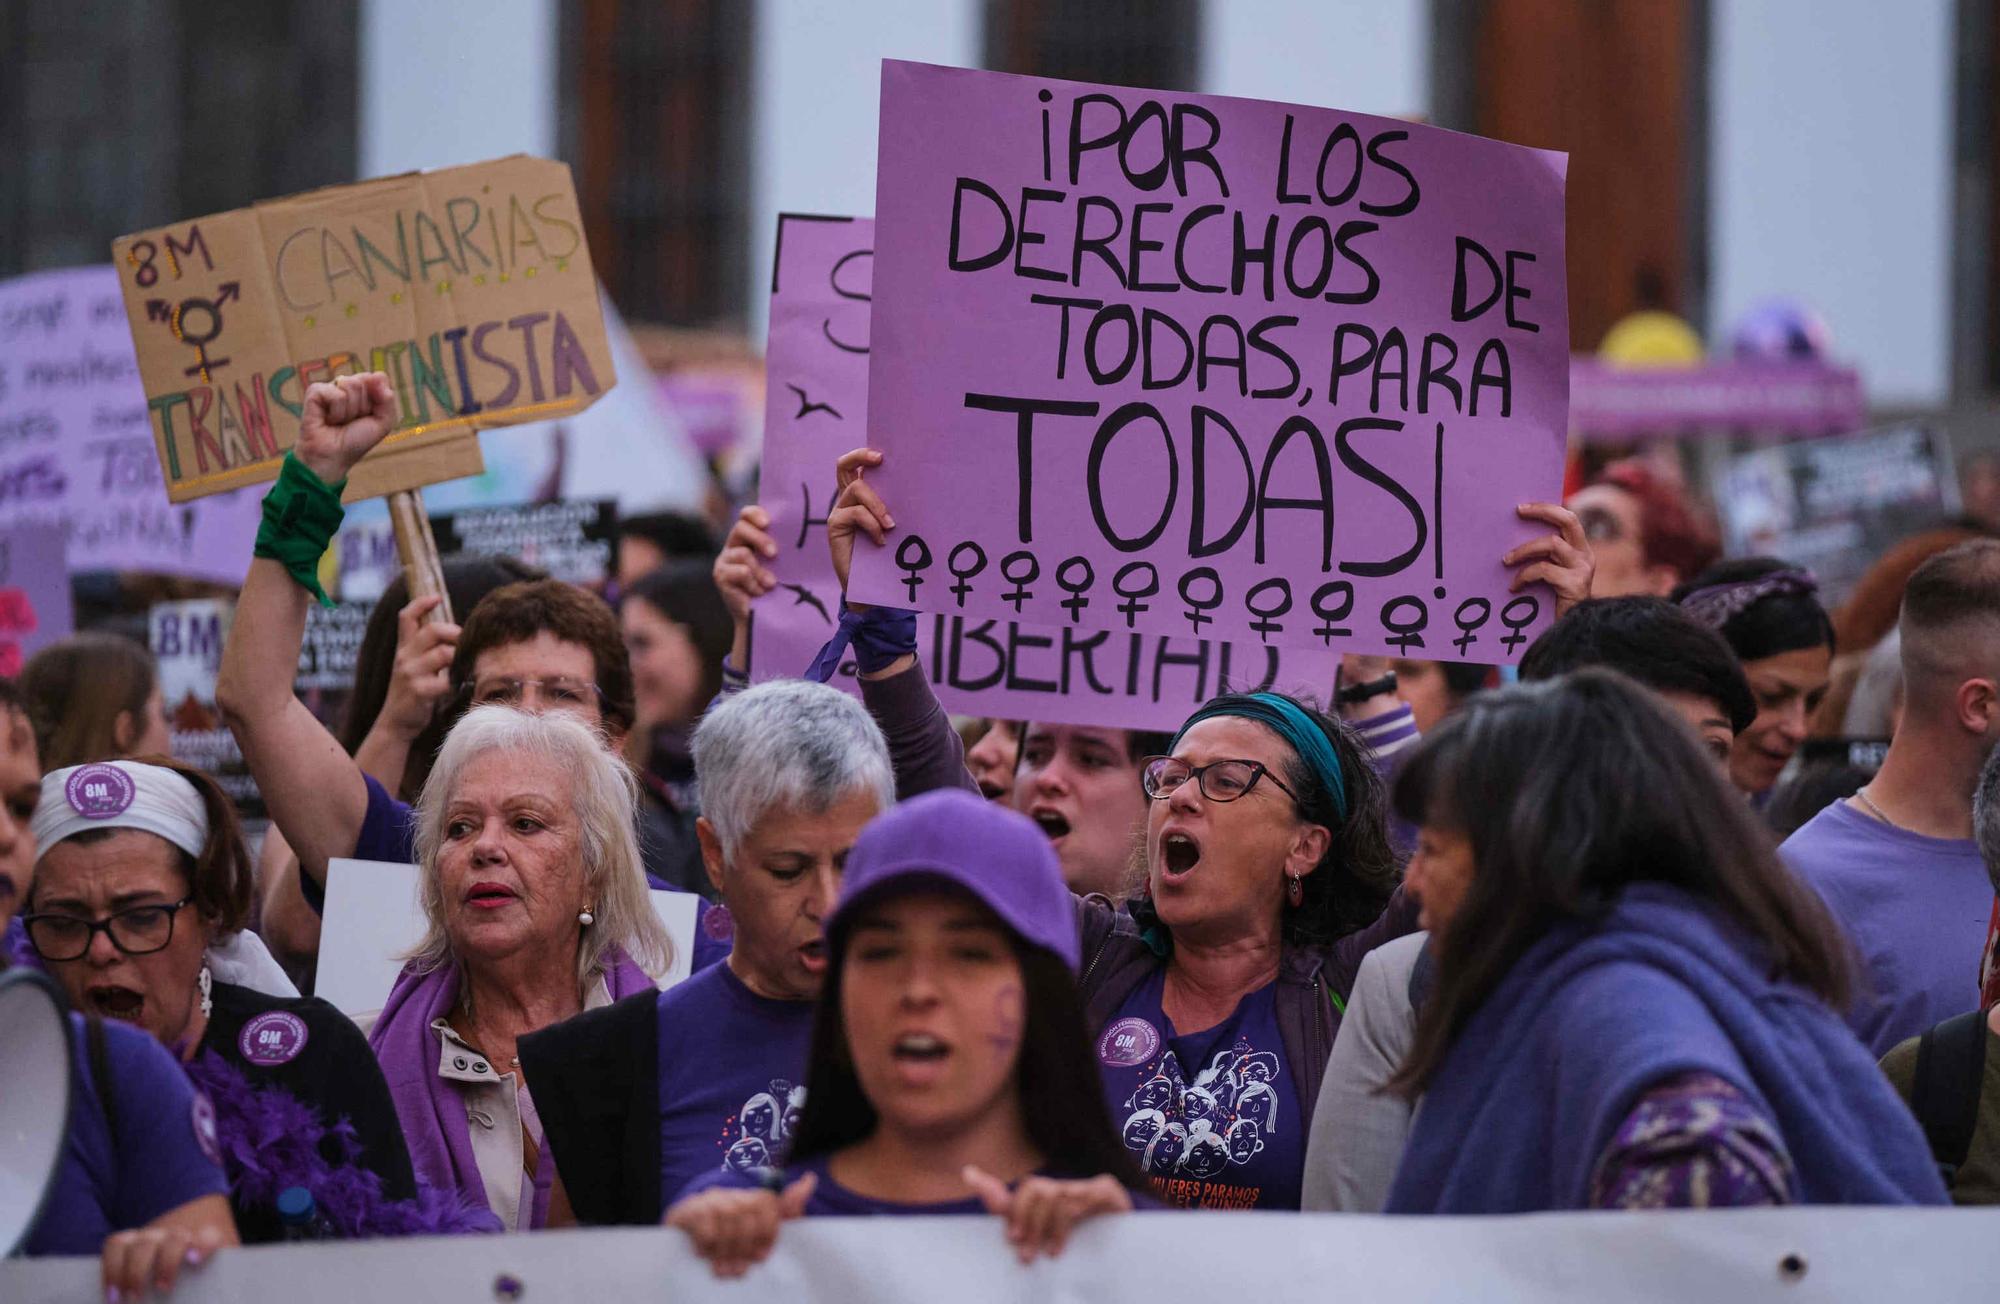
column 1269, row 874
column 141, row 874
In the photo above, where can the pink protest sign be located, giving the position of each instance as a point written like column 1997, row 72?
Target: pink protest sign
column 816, row 409
column 1192, row 365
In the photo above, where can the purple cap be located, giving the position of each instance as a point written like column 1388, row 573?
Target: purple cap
column 1000, row 856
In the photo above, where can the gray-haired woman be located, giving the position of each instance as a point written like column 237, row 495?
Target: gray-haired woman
column 537, row 910
column 643, row 1098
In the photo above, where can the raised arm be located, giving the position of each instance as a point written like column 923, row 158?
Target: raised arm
column 927, row 751
column 311, row 786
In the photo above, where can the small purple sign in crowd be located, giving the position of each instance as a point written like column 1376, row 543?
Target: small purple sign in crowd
column 816, row 408
column 1190, row 365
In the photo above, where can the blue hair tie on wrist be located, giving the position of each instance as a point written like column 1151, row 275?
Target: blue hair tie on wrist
column 1288, row 720
column 879, row 635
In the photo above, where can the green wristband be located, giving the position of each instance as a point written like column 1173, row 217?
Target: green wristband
column 301, row 515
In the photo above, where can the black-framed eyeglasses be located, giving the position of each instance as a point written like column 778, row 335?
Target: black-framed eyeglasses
column 558, row 694
column 136, row 930
column 1218, row 780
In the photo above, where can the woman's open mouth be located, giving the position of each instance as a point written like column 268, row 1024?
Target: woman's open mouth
column 1179, row 854
column 920, row 1058
column 114, row 1002
column 1053, row 823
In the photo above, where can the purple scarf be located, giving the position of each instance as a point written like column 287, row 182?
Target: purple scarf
column 430, row 1109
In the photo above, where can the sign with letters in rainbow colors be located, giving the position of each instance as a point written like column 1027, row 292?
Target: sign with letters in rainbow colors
column 471, row 287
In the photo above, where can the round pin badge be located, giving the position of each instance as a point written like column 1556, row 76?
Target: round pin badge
column 99, row 791
column 1128, row 1042
column 203, row 1118
column 272, row 1038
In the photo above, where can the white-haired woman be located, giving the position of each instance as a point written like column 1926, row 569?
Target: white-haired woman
column 647, row 1096
column 537, row 910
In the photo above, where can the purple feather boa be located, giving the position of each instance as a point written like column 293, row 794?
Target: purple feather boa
column 271, row 1140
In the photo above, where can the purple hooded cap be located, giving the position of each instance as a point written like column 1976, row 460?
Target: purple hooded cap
column 951, row 836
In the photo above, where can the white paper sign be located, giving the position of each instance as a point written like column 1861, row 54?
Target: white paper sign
column 374, row 918
column 1785, row 1256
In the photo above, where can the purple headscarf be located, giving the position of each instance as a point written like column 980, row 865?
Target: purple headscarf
column 429, row 1108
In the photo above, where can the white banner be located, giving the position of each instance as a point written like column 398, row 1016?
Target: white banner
column 1799, row 1256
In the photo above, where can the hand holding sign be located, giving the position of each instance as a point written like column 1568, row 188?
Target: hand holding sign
column 1562, row 560
column 739, row 568
column 343, row 420
column 858, row 510
column 734, row 1230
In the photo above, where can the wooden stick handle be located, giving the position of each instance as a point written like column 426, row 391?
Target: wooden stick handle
column 418, row 550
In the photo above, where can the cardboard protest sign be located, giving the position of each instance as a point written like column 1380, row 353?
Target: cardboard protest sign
column 186, row 639
column 35, row 604
column 470, row 286
column 816, row 408
column 75, row 452
column 1835, row 505
column 1192, row 365
column 374, row 919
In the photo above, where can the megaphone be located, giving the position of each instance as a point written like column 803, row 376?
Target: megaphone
column 36, row 1083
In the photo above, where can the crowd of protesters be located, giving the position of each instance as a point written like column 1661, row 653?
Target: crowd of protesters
column 1430, row 938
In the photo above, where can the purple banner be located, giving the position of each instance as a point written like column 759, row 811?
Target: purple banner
column 1793, row 398
column 35, row 606
column 76, row 446
column 1198, row 366
column 816, row 409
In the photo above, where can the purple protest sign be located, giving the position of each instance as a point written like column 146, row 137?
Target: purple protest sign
column 816, row 409
column 76, row 445
column 1192, row 365
column 35, row 605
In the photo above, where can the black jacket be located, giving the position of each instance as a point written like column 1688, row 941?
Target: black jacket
column 595, row 1079
column 334, row 1072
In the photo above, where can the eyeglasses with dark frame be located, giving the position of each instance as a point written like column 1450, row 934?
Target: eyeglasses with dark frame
column 136, row 930
column 557, row 694
column 1221, row 781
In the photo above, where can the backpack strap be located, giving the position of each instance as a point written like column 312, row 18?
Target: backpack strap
column 1951, row 1066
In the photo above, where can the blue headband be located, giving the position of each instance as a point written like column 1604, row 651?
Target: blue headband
column 1284, row 717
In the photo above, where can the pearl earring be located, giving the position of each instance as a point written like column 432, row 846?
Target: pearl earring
column 586, row 918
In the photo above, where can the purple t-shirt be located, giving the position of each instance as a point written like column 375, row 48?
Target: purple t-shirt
column 388, row 833
column 155, row 1152
column 1916, row 909
column 1212, row 1117
column 732, row 1065
column 829, row 1198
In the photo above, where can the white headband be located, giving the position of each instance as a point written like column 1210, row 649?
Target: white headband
column 120, row 795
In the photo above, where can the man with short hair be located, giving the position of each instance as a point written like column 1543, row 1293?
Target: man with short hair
column 1896, row 863
column 1951, row 1074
